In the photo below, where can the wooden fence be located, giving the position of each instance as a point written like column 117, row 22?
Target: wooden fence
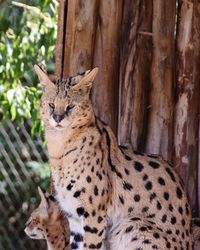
column 148, row 87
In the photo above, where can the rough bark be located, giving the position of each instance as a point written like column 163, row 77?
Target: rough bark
column 188, row 95
column 160, row 117
column 79, row 36
column 59, row 55
column 135, row 57
column 106, row 57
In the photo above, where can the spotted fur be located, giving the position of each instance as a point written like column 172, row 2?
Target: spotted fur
column 47, row 222
column 99, row 184
column 196, row 232
column 140, row 233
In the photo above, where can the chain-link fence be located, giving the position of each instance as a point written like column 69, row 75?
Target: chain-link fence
column 23, row 166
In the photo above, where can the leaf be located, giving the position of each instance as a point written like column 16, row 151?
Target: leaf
column 10, row 95
column 13, row 111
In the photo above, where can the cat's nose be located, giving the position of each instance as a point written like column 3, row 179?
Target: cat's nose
column 58, row 118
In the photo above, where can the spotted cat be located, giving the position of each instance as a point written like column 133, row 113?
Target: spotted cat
column 99, row 184
column 47, row 222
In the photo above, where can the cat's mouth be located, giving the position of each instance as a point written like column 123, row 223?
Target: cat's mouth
column 33, row 235
column 59, row 126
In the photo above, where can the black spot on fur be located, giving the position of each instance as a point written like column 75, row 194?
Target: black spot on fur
column 148, row 185
column 187, row 209
column 96, row 191
column 159, row 206
column 179, row 193
column 69, row 187
column 127, row 186
column 90, row 229
column 89, row 179
column 74, row 245
column 152, row 196
column 77, row 194
column 173, row 220
column 183, row 222
column 154, row 164
column 134, row 239
column 164, row 218
column 169, row 171
column 166, row 196
column 129, row 229
column 121, row 199
column 143, row 229
column 137, row 198
column 99, row 220
column 138, row 166
column 126, row 171
column 146, row 241
column 145, row 177
column 145, row 209
column 156, row 235
column 161, row 181
column 170, row 207
column 169, row 231
column 78, row 237
column 80, row 211
column 135, row 219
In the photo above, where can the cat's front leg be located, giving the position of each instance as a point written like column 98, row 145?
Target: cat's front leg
column 87, row 234
column 94, row 232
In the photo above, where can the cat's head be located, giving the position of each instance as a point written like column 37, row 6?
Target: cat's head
column 36, row 226
column 66, row 103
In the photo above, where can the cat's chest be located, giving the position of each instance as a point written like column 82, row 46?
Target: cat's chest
column 66, row 196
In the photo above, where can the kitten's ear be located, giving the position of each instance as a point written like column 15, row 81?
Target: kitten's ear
column 43, row 77
column 87, row 81
column 43, row 202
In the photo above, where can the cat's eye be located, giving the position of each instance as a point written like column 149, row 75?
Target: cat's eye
column 69, row 108
column 51, row 105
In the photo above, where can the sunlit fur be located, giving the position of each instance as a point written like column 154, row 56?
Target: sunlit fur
column 47, row 222
column 98, row 183
column 128, row 235
column 63, row 97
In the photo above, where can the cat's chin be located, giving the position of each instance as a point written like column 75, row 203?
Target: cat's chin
column 32, row 235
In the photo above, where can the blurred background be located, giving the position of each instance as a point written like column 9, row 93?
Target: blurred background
column 27, row 36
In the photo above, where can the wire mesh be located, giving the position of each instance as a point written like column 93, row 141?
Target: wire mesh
column 23, row 166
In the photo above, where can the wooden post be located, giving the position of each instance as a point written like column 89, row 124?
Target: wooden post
column 135, row 58
column 188, row 95
column 160, row 117
column 106, row 57
column 60, row 42
column 76, row 34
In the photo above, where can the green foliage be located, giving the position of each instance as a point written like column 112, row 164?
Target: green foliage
column 27, row 36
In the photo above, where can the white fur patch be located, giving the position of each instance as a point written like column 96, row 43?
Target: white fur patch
column 69, row 205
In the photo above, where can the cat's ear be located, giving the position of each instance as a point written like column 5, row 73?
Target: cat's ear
column 43, row 78
column 86, row 82
column 43, row 202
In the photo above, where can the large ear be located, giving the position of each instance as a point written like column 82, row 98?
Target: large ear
column 43, row 202
column 87, row 81
column 43, row 77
